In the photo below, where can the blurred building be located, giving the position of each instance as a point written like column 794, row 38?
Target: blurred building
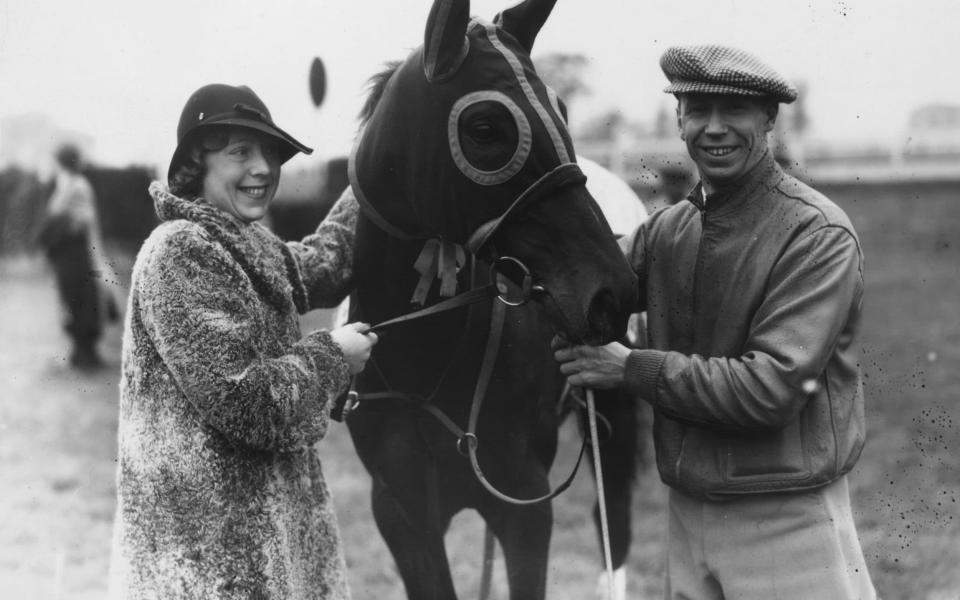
column 636, row 153
column 934, row 130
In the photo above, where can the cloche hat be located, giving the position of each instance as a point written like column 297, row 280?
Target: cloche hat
column 221, row 104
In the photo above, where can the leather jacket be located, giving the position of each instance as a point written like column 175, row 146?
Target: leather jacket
column 753, row 302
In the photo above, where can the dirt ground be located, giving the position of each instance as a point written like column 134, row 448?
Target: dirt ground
column 58, row 447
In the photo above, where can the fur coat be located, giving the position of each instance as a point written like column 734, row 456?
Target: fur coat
column 220, row 489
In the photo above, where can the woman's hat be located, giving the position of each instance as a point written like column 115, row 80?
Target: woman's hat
column 220, row 104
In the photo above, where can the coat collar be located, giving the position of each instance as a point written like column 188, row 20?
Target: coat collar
column 266, row 260
column 765, row 175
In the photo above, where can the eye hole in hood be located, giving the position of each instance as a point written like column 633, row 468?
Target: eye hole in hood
column 489, row 136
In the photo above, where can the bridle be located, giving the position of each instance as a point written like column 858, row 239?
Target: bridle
column 565, row 175
column 511, row 283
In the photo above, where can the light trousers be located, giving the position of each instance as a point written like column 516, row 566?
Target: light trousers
column 797, row 546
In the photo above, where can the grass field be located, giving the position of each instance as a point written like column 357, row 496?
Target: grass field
column 57, row 438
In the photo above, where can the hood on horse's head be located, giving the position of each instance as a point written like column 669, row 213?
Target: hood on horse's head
column 462, row 127
column 445, row 41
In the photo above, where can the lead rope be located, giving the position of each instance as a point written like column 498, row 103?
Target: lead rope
column 601, row 496
column 486, row 575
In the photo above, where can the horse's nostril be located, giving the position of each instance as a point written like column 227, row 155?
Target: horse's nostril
column 603, row 315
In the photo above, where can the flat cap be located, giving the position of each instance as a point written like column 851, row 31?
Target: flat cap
column 712, row 69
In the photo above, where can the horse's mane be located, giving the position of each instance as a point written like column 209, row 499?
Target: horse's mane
column 376, row 85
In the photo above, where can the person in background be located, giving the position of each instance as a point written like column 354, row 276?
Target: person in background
column 753, row 288
column 221, row 494
column 70, row 236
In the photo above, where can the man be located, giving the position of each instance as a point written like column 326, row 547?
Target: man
column 753, row 289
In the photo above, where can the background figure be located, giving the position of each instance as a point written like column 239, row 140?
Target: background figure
column 70, row 236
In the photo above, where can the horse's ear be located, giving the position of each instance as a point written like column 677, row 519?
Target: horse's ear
column 524, row 20
column 445, row 42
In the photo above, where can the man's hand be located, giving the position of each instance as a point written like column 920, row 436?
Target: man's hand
column 598, row 367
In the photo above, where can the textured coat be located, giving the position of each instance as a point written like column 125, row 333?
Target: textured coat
column 220, row 490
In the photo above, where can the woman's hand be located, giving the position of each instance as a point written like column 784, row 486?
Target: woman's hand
column 356, row 340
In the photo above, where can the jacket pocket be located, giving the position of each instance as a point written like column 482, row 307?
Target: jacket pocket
column 778, row 455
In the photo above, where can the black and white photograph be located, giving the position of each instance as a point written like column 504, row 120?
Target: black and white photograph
column 493, row 299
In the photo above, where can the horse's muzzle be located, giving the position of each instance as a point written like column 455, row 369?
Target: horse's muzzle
column 606, row 318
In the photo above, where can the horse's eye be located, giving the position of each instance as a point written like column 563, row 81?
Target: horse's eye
column 483, row 130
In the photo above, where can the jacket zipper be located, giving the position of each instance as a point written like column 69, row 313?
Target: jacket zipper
column 693, row 309
column 695, row 303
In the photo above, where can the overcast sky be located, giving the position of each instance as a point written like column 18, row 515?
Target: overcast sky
column 121, row 70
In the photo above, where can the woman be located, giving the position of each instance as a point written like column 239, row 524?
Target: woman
column 220, row 490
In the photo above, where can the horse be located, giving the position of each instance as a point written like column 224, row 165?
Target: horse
column 466, row 174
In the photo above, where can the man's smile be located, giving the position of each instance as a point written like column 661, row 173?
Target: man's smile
column 719, row 151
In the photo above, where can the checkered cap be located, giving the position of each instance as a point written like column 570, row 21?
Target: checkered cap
column 722, row 70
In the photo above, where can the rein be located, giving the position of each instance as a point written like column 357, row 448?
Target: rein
column 489, row 358
column 465, row 299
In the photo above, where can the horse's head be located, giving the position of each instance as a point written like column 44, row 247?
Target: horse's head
column 463, row 141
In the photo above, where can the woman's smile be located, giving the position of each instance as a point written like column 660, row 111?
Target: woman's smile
column 256, row 192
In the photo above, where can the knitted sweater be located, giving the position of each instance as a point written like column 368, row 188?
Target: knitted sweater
column 220, row 489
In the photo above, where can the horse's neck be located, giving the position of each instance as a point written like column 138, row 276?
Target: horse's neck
column 414, row 356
